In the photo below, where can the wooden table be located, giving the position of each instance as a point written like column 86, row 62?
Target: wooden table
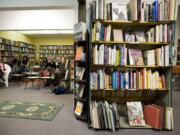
column 40, row 80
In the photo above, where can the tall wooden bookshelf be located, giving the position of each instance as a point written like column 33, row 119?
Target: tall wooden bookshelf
column 145, row 96
column 9, row 49
column 84, row 82
column 55, row 51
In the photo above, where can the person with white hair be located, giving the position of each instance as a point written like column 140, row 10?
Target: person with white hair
column 5, row 70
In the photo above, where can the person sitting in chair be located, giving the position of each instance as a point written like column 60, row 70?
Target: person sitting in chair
column 5, row 70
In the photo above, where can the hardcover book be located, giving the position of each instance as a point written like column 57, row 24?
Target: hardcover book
column 140, row 37
column 119, row 12
column 117, row 34
column 135, row 57
column 129, row 37
column 153, row 116
column 79, row 108
column 135, row 114
column 79, row 53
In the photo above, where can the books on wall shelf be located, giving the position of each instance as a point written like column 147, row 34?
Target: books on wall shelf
column 130, row 64
column 112, row 116
column 132, row 80
column 135, row 10
column 9, row 49
column 163, row 33
column 122, row 56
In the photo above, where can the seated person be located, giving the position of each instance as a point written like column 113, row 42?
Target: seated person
column 50, row 64
column 15, row 63
column 23, row 65
column 5, row 70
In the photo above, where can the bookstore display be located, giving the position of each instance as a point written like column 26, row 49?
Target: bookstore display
column 81, row 72
column 9, row 49
column 131, row 60
column 46, row 51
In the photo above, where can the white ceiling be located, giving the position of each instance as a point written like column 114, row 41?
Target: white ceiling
column 48, row 33
column 37, row 3
column 39, row 15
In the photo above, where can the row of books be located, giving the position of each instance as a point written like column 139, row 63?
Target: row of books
column 7, row 41
column 139, row 79
column 112, row 116
column 57, row 51
column 120, row 55
column 135, row 10
column 104, row 115
column 160, row 33
column 55, row 47
column 116, row 55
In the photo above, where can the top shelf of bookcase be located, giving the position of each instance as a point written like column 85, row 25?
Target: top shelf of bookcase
column 133, row 23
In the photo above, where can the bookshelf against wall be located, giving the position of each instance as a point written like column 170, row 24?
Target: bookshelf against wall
column 56, row 51
column 9, row 49
column 130, row 64
column 81, row 72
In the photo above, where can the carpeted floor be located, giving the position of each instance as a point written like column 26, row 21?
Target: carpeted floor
column 64, row 123
column 29, row 110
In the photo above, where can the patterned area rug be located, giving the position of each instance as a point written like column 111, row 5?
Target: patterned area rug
column 37, row 111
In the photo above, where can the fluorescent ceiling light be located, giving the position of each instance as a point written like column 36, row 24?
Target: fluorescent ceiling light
column 44, row 32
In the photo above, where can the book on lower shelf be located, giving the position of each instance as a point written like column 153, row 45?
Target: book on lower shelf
column 79, row 108
column 112, row 116
column 157, row 113
column 135, row 114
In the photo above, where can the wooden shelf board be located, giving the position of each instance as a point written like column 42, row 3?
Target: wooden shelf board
column 124, row 99
column 80, row 98
column 82, row 117
column 80, row 81
column 128, row 66
column 124, row 124
column 163, row 89
column 133, row 23
column 130, row 43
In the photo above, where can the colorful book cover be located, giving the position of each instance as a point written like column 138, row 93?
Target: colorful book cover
column 79, row 108
column 135, row 114
column 135, row 57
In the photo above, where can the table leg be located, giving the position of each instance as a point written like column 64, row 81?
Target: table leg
column 26, row 83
